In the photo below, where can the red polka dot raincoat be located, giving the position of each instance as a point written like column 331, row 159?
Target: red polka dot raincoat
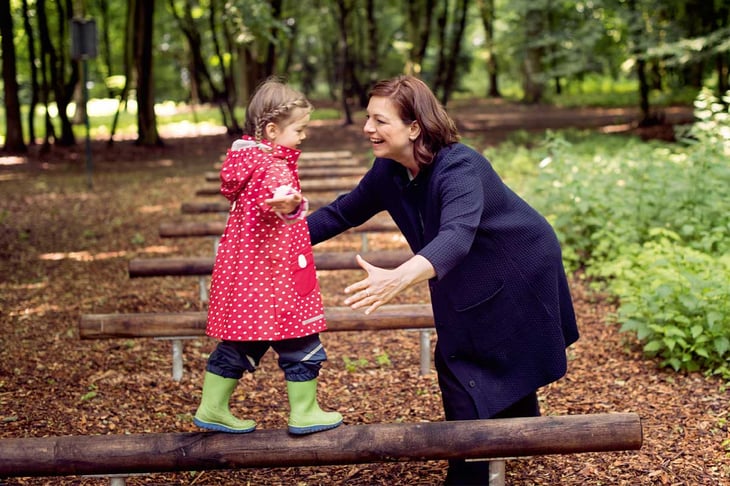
column 264, row 285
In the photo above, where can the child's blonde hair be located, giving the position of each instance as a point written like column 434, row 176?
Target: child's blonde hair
column 273, row 102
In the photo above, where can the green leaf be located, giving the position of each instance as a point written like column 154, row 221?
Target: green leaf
column 722, row 344
column 653, row 346
column 697, row 331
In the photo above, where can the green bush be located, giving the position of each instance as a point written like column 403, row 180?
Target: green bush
column 677, row 301
column 650, row 222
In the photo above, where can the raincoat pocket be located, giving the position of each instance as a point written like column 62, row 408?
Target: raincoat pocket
column 304, row 275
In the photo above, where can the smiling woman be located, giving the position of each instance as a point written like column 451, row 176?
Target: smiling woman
column 503, row 311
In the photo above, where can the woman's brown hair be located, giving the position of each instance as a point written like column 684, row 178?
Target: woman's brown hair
column 415, row 101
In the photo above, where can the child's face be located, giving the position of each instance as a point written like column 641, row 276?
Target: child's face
column 291, row 132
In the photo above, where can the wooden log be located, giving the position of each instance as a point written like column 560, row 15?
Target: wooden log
column 325, row 155
column 192, row 324
column 348, row 444
column 310, row 173
column 330, row 158
column 199, row 207
column 345, row 260
column 216, row 228
column 308, row 185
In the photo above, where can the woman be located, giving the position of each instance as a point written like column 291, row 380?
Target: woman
column 500, row 297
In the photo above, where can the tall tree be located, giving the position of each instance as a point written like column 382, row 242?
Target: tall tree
column 637, row 29
column 346, row 65
column 455, row 48
column 127, row 65
column 488, row 15
column 33, row 68
column 419, row 17
column 533, row 83
column 56, row 61
column 14, row 130
column 147, row 133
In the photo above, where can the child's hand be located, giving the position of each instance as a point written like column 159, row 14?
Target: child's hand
column 288, row 204
column 285, row 204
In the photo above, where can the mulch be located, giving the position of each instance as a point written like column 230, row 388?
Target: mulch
column 64, row 251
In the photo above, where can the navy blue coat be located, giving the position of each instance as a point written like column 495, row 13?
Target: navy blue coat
column 501, row 303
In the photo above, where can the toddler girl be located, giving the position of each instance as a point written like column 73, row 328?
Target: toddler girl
column 264, row 290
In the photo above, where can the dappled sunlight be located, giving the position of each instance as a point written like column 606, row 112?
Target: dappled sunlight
column 11, row 160
column 86, row 256
column 25, row 286
column 151, row 209
column 160, row 163
column 81, row 256
column 159, row 249
column 11, row 177
column 37, row 310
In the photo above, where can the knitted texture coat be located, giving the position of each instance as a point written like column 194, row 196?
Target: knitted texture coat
column 501, row 302
column 264, row 285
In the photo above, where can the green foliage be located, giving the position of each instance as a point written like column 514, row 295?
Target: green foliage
column 650, row 223
column 352, row 365
column 677, row 301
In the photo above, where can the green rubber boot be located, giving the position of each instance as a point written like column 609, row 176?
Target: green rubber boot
column 213, row 412
column 306, row 417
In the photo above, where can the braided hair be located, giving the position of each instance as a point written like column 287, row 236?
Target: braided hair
column 273, row 102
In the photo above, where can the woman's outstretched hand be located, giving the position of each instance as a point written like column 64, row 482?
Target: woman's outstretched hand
column 381, row 285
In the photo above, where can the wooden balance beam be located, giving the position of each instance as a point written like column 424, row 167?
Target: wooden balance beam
column 201, row 207
column 216, row 228
column 196, row 266
column 177, row 326
column 348, row 444
column 310, row 173
column 192, row 324
column 308, row 186
column 325, row 155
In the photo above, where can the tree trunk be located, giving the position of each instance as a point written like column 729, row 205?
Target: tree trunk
column 457, row 37
column 419, row 16
column 34, row 87
column 636, row 32
column 486, row 7
column 441, row 22
column 226, row 97
column 344, row 72
column 146, row 121
column 55, row 63
column 532, row 84
column 14, row 129
column 106, row 44
column 127, row 66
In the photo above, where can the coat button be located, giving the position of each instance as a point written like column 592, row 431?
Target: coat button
column 302, row 261
column 472, row 383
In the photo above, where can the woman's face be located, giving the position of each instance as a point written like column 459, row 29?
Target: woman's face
column 389, row 136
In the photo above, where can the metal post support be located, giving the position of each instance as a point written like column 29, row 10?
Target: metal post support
column 117, row 480
column 89, row 163
column 496, row 473
column 177, row 355
column 425, row 338
column 203, row 284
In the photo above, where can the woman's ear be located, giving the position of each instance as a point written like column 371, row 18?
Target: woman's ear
column 271, row 131
column 414, row 130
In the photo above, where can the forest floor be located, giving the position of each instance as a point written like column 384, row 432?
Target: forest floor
column 64, row 251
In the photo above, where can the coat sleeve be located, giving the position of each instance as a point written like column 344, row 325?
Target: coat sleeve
column 348, row 210
column 458, row 193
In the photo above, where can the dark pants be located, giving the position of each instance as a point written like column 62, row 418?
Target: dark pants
column 300, row 358
column 458, row 405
